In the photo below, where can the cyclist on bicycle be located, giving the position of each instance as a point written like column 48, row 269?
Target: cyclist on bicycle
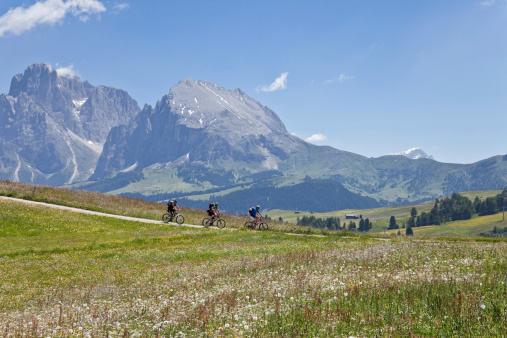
column 216, row 212
column 172, row 208
column 255, row 215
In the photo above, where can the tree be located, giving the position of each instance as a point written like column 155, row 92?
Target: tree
column 361, row 225
column 413, row 212
column 392, row 223
column 352, row 225
column 491, row 207
column 477, row 205
column 409, row 231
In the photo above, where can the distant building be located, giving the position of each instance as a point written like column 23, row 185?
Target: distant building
column 351, row 216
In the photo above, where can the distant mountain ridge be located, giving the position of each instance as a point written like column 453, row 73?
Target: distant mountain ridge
column 202, row 142
column 52, row 128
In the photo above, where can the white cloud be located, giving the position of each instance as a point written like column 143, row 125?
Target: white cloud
column 488, row 3
column 120, row 7
column 67, row 72
column 316, row 138
column 20, row 19
column 340, row 79
column 279, row 84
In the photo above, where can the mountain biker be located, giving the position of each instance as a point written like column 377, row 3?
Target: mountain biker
column 172, row 208
column 216, row 212
column 211, row 211
column 255, row 215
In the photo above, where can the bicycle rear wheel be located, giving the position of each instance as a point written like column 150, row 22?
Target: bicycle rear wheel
column 221, row 223
column 206, row 222
column 180, row 219
column 166, row 218
column 247, row 225
column 263, row 226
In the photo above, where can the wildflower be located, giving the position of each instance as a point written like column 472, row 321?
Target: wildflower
column 246, row 327
column 346, row 294
column 483, row 306
column 247, row 297
column 236, row 317
column 226, row 325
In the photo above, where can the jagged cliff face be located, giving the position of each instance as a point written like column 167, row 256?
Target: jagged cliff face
column 53, row 128
column 199, row 122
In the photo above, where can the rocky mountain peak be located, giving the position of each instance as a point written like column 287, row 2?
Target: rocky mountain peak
column 53, row 125
column 202, row 104
column 203, row 123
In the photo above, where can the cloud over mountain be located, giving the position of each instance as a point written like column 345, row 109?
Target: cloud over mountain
column 21, row 19
column 279, row 84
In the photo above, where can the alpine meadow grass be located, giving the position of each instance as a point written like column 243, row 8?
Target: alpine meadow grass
column 64, row 274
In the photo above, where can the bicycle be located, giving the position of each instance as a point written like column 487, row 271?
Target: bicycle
column 207, row 221
column 262, row 225
column 166, row 218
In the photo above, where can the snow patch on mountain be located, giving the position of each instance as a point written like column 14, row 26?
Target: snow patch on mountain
column 414, row 154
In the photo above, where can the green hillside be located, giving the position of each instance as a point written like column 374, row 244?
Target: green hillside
column 73, row 275
column 381, row 216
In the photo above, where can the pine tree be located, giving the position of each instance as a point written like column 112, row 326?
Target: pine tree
column 409, row 231
column 413, row 212
column 392, row 223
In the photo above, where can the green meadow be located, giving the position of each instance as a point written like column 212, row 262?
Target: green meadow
column 380, row 218
column 66, row 274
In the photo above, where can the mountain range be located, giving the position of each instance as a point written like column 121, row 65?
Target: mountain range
column 199, row 143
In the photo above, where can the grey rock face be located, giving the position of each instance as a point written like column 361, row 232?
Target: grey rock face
column 204, row 123
column 52, row 128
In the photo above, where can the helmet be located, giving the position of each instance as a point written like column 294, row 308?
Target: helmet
column 175, row 201
column 216, row 204
column 258, row 207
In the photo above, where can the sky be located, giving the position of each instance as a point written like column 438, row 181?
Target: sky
column 365, row 76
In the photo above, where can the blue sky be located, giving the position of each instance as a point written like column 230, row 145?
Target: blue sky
column 371, row 77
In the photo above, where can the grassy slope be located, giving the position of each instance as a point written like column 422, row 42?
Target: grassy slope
column 126, row 206
column 68, row 274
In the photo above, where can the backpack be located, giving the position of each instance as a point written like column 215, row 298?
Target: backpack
column 170, row 206
column 211, row 205
column 250, row 211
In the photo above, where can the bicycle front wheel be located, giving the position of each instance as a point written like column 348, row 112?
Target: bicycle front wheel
column 263, row 226
column 221, row 223
column 166, row 218
column 206, row 222
column 180, row 219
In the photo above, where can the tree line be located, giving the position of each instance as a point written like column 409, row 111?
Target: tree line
column 456, row 207
column 334, row 223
